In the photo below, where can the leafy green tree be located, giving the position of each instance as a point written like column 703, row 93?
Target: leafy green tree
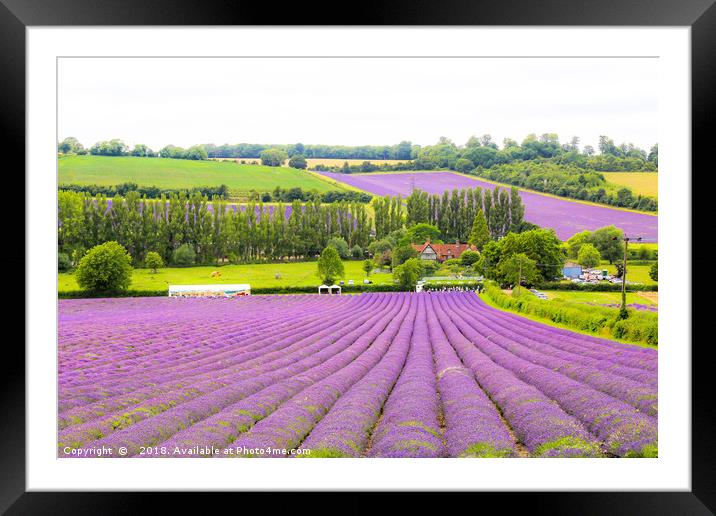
column 298, row 161
column 468, row 258
column 480, row 233
column 368, row 267
column 196, row 152
column 609, row 242
column 330, row 266
column 77, row 255
column 110, row 148
column 575, row 242
column 403, row 253
column 378, row 247
column 619, row 270
column 273, row 157
column 481, row 156
column 430, row 267
column 63, row 262
column 356, row 252
column 540, row 245
column 184, row 255
column 464, row 165
column 420, row 233
column 105, row 268
column 153, row 261
column 141, row 150
column 340, row 245
column 70, row 145
column 588, row 256
column 453, row 265
column 654, row 271
column 518, row 269
column 409, row 273
column 517, row 211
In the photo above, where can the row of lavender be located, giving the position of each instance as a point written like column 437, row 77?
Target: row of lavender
column 375, row 375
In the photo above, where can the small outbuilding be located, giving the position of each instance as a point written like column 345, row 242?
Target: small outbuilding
column 571, row 270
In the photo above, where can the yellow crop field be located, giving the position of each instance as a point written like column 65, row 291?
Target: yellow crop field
column 644, row 183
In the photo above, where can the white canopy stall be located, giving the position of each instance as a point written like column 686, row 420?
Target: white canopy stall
column 333, row 289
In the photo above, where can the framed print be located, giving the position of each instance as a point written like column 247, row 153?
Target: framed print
column 420, row 253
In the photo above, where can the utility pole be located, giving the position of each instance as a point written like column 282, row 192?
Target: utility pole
column 623, row 314
column 519, row 277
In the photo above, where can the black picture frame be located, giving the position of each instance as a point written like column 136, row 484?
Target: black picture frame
column 700, row 15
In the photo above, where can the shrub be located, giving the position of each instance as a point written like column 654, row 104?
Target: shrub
column 430, row 267
column 63, row 262
column 357, row 252
column 153, row 261
column 105, row 268
column 297, row 161
column 468, row 257
column 273, row 157
column 654, row 271
column 409, row 273
column 402, row 254
column 184, row 255
column 340, row 245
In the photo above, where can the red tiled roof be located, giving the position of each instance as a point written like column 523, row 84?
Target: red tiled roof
column 444, row 251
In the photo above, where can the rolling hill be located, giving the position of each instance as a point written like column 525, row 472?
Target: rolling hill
column 179, row 173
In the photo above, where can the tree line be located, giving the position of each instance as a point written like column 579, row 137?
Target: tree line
column 476, row 152
column 299, row 194
column 566, row 181
column 286, row 195
column 213, row 232
column 454, row 213
column 150, row 192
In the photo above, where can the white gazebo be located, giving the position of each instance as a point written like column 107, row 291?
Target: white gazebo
column 332, row 289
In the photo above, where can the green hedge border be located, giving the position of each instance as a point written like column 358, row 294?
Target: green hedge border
column 356, row 289
column 347, row 289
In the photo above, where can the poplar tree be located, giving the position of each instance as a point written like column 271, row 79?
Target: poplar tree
column 480, row 233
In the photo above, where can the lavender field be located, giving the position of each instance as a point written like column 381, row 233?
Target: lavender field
column 565, row 216
column 373, row 375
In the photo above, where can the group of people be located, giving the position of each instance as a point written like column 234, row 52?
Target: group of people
column 455, row 288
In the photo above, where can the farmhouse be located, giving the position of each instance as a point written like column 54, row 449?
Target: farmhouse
column 441, row 252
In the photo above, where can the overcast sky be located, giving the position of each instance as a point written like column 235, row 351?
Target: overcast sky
column 355, row 101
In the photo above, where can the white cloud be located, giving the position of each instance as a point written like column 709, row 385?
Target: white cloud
column 355, row 101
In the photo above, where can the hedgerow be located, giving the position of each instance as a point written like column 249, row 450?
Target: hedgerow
column 641, row 327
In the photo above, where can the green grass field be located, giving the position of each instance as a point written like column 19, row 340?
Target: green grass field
column 635, row 273
column 599, row 298
column 261, row 275
column 653, row 246
column 182, row 173
column 604, row 332
column 644, row 183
